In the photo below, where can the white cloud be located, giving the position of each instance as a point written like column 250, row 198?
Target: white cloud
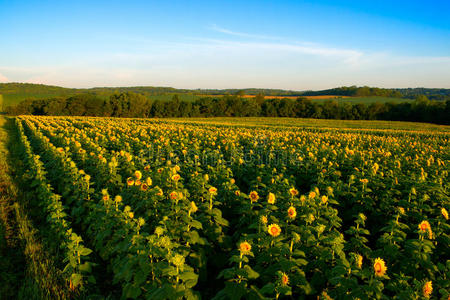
column 241, row 34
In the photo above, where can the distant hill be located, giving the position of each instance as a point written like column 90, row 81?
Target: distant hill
column 13, row 93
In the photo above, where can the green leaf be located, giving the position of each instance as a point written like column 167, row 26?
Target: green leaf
column 86, row 267
column 196, row 224
column 85, row 251
column 251, row 274
column 234, row 290
column 76, row 279
column 131, row 291
column 268, row 289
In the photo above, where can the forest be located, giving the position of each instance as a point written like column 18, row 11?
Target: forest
column 130, row 104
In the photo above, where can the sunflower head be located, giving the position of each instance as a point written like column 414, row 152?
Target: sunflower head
column 138, row 175
column 253, row 196
column 173, row 195
column 284, row 279
column 274, row 230
column 271, row 198
column 245, row 248
column 292, row 212
column 425, row 227
column 427, row 289
column 379, row 267
column 359, row 260
column 264, row 219
column 293, row 192
column 193, row 208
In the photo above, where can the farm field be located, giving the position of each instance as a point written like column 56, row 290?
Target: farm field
column 238, row 208
column 367, row 100
column 346, row 99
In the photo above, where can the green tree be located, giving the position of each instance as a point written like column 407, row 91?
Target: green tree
column 240, row 93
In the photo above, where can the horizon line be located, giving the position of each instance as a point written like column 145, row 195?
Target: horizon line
column 247, row 88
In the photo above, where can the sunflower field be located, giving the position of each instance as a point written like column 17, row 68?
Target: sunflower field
column 179, row 209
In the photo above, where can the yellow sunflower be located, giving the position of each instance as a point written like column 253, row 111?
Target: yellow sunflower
column 274, row 230
column 379, row 267
column 271, row 198
column 292, row 212
column 245, row 248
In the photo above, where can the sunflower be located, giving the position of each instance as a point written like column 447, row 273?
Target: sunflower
column 293, row 192
column 324, row 199
column 118, row 199
column 173, row 195
column 274, row 230
column 427, row 289
column 144, row 187
column 284, row 279
column 149, row 181
column 271, row 198
column 130, row 181
column 312, row 195
column 292, row 212
column 245, row 248
column 424, row 227
column 212, row 190
column 175, row 177
column 264, row 219
column 137, row 182
column 193, row 208
column 359, row 260
column 364, row 181
column 254, row 196
column 379, row 267
column 444, row 213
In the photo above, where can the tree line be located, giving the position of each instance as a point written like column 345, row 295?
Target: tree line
column 130, row 104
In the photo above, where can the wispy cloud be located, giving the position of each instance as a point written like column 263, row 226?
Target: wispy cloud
column 237, row 60
column 280, row 44
column 242, row 34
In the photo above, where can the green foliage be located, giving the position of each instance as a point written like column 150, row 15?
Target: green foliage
column 174, row 223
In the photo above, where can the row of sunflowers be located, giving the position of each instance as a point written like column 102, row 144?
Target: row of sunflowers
column 215, row 211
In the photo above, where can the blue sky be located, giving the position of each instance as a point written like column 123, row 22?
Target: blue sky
column 295, row 45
